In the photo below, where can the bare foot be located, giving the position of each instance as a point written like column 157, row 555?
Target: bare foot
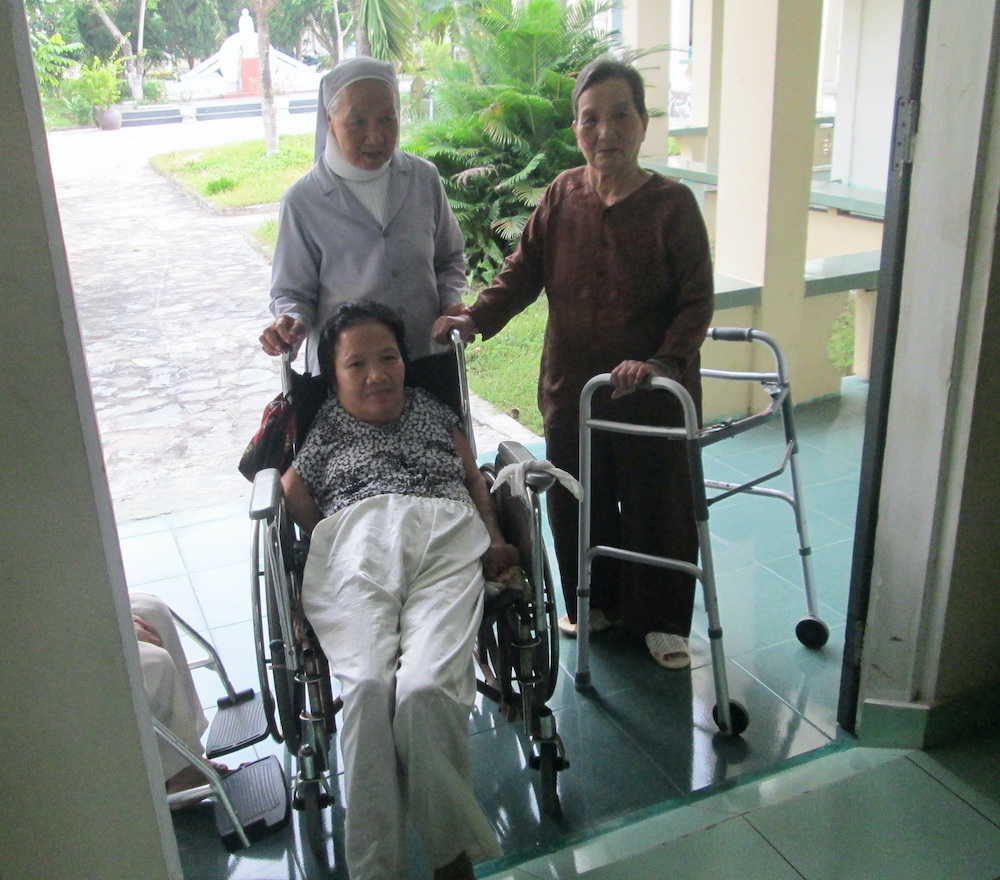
column 459, row 868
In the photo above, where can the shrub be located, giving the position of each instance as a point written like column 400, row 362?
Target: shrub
column 840, row 348
column 502, row 118
column 154, row 91
column 98, row 86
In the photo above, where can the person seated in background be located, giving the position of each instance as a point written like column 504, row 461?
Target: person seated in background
column 403, row 528
column 173, row 700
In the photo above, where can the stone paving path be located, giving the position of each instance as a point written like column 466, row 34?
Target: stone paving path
column 171, row 298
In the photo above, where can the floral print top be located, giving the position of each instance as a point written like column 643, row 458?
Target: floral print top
column 345, row 460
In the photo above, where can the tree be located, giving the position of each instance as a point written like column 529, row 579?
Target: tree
column 53, row 56
column 49, row 17
column 331, row 40
column 131, row 59
column 384, row 28
column 269, row 112
column 191, row 28
column 288, row 21
column 500, row 139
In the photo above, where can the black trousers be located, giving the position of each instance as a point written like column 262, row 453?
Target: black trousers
column 640, row 500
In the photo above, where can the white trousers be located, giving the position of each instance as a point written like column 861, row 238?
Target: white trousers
column 393, row 587
column 173, row 700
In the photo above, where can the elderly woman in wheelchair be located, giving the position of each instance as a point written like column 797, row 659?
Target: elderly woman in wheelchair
column 403, row 529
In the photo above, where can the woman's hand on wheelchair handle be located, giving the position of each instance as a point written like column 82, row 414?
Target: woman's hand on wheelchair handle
column 446, row 323
column 283, row 335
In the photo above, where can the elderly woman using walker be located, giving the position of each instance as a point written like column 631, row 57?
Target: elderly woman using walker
column 623, row 256
column 368, row 221
column 403, row 531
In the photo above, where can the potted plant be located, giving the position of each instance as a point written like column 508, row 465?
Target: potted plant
column 99, row 87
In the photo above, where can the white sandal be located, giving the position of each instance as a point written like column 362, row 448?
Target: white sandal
column 669, row 650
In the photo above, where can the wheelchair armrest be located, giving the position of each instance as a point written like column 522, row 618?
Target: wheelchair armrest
column 512, row 452
column 265, row 498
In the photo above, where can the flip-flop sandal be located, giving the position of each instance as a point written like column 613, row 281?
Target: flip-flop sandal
column 598, row 623
column 669, row 650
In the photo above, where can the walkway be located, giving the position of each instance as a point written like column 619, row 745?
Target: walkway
column 171, row 298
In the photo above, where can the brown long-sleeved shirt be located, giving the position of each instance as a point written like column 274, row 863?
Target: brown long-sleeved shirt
column 628, row 282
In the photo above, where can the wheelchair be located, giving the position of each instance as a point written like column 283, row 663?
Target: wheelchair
column 516, row 650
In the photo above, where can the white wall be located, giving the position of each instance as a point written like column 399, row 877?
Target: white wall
column 77, row 800
column 869, row 48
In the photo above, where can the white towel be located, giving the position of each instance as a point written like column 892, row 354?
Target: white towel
column 515, row 475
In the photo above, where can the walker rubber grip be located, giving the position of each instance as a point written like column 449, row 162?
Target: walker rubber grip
column 731, row 334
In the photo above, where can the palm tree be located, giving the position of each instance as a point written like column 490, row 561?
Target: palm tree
column 384, row 28
column 500, row 137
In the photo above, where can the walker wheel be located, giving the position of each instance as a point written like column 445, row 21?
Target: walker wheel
column 812, row 632
column 738, row 716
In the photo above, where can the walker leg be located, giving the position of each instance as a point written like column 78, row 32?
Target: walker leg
column 811, row 631
column 730, row 717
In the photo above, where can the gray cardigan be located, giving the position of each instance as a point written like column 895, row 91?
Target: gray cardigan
column 330, row 250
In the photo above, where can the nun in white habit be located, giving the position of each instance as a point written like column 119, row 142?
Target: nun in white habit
column 367, row 222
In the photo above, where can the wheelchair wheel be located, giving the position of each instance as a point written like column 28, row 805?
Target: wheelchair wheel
column 289, row 692
column 548, row 648
column 314, row 801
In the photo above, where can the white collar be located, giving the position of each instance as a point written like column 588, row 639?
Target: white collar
column 339, row 165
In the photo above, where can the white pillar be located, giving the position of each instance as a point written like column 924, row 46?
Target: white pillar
column 707, row 18
column 646, row 23
column 829, row 56
column 770, row 59
column 79, row 799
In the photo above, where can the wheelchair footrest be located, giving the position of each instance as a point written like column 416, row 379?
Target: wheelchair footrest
column 238, row 723
column 259, row 793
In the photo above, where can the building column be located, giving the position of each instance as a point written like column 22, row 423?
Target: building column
column 707, row 18
column 769, row 64
column 82, row 790
column 646, row 23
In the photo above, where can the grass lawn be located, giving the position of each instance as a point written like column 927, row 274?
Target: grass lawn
column 502, row 371
column 240, row 174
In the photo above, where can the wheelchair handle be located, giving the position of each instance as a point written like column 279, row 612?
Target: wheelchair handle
column 463, row 386
column 286, row 372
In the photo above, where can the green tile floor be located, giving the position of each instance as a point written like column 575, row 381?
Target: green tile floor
column 653, row 790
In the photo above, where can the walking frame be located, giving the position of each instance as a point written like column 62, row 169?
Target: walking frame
column 729, row 715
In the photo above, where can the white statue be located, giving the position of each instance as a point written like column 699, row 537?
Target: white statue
column 248, row 36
